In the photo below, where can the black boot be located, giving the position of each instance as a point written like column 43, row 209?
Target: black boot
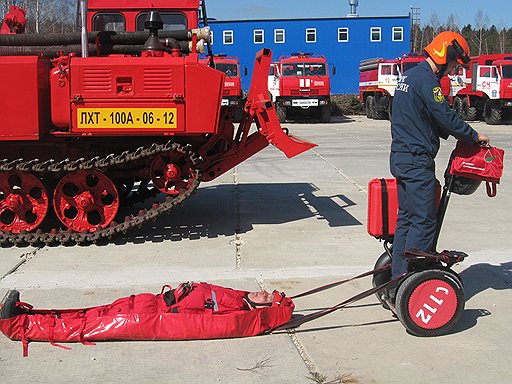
column 9, row 307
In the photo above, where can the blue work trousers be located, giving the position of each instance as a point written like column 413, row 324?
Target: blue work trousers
column 416, row 223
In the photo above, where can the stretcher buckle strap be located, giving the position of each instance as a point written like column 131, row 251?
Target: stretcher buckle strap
column 51, row 331
column 82, row 328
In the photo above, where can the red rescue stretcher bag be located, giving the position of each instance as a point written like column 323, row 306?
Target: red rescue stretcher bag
column 383, row 207
column 150, row 317
column 478, row 163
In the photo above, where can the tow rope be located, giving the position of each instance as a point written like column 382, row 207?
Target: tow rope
column 298, row 321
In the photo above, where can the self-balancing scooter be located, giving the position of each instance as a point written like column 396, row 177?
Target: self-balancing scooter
column 429, row 298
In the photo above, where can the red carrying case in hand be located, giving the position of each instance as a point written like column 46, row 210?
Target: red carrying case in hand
column 483, row 163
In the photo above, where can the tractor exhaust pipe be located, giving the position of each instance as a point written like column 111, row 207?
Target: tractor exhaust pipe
column 83, row 15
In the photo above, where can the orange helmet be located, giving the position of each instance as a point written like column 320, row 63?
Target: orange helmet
column 448, row 47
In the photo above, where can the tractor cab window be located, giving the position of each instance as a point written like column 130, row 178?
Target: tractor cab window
column 109, row 22
column 172, row 21
column 506, row 71
column 231, row 70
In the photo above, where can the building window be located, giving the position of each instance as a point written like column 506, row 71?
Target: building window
column 375, row 33
column 259, row 36
column 398, row 33
column 228, row 37
column 311, row 35
column 279, row 36
column 342, row 35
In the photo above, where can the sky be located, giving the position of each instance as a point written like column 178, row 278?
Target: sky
column 499, row 12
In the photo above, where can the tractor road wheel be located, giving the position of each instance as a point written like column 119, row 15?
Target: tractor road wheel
column 369, row 107
column 430, row 302
column 382, row 277
column 492, row 113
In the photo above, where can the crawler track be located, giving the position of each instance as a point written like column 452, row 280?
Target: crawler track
column 109, row 162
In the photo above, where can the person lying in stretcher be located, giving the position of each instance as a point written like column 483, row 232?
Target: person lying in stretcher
column 186, row 298
column 190, row 311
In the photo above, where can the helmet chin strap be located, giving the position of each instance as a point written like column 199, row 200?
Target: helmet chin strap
column 442, row 70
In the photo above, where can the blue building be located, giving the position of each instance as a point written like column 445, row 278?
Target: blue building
column 343, row 41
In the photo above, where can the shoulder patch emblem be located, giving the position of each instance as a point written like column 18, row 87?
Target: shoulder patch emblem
column 438, row 95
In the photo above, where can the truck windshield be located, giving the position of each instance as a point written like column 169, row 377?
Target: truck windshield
column 172, row 21
column 506, row 71
column 231, row 70
column 304, row 69
column 408, row 65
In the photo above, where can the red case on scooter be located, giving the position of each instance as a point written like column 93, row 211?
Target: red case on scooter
column 383, row 207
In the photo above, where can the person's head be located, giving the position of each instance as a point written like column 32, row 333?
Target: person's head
column 448, row 50
column 263, row 298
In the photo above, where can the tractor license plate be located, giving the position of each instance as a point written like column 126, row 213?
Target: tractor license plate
column 160, row 118
column 305, row 103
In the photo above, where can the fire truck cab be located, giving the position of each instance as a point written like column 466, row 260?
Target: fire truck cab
column 484, row 90
column 232, row 96
column 377, row 83
column 300, row 83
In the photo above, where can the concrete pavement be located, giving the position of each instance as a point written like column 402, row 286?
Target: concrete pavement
column 291, row 225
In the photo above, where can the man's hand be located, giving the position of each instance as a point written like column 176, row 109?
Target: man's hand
column 483, row 139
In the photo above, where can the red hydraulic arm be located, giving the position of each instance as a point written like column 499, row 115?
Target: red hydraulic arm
column 258, row 109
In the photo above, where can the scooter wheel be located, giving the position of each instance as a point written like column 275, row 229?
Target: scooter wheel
column 382, row 277
column 430, row 302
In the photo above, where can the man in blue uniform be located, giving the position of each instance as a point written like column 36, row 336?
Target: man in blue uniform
column 420, row 117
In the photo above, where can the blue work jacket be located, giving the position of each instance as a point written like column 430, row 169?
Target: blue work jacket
column 421, row 115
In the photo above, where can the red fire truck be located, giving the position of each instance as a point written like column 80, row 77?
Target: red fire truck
column 377, row 82
column 300, row 83
column 232, row 96
column 484, row 90
column 378, row 79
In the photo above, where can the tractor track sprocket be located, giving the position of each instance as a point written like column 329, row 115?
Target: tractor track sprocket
column 66, row 236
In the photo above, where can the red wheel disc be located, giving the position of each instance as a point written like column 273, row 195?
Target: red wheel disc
column 432, row 304
column 86, row 200
column 23, row 202
column 170, row 173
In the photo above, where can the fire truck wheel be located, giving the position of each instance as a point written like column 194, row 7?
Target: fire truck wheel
column 468, row 113
column 457, row 106
column 325, row 114
column 369, row 107
column 492, row 113
column 430, row 302
column 239, row 112
column 281, row 113
column 382, row 277
column 390, row 109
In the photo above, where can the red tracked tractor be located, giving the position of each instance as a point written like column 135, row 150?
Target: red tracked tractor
column 96, row 121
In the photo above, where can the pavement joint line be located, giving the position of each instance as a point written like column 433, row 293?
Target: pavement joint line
column 340, row 172
column 24, row 258
column 307, row 360
column 238, row 241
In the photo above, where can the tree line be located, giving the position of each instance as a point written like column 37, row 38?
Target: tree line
column 483, row 37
